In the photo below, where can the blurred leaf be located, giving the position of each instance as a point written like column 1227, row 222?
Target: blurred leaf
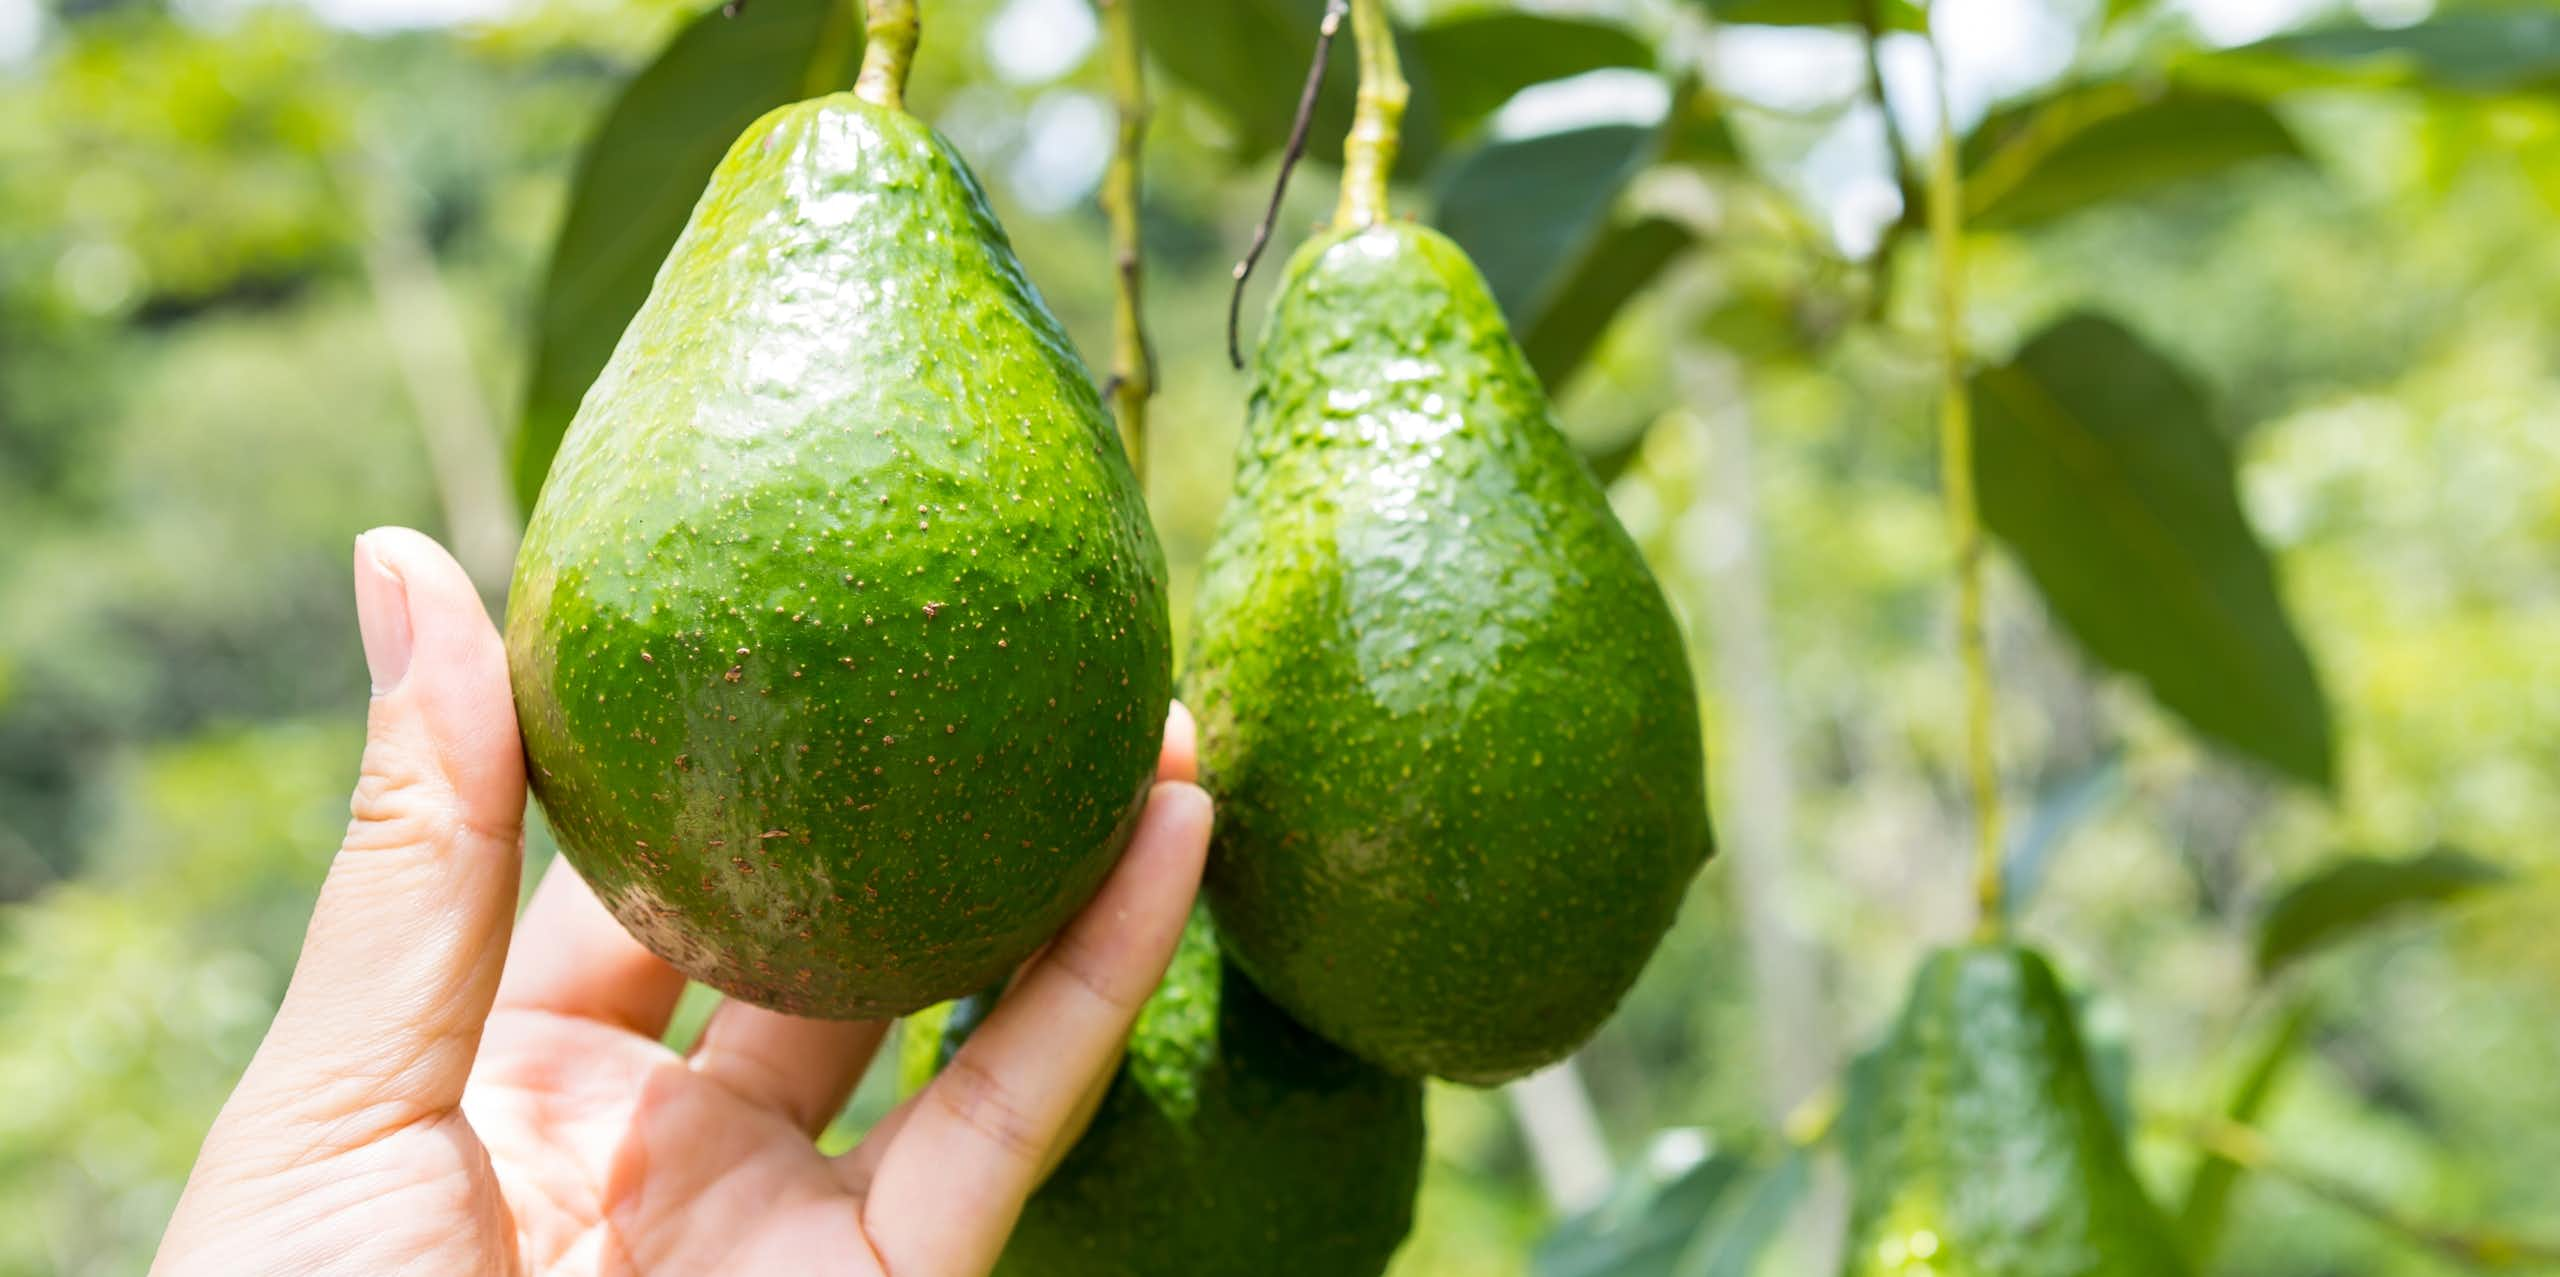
column 1610, row 452
column 1749, row 1219
column 2492, row 51
column 2106, row 1038
column 2092, row 143
column 2339, row 899
column 2208, row 1200
column 2099, row 465
column 638, row 181
column 1628, row 256
column 1247, row 59
column 1535, row 214
column 1651, row 1215
column 2060, row 811
column 1891, row 15
column 1477, row 61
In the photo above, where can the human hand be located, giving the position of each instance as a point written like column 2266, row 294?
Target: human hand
column 433, row 1099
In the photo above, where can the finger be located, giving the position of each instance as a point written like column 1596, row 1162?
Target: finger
column 1181, row 757
column 802, row 1069
column 572, row 958
column 383, row 1015
column 948, row 1187
column 857, row 1165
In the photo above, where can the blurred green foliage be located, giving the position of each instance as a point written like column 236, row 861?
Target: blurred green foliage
column 202, row 399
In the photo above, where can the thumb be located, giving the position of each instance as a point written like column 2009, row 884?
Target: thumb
column 382, row 1019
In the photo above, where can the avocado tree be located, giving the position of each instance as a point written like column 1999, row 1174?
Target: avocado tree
column 2075, row 455
column 2102, row 489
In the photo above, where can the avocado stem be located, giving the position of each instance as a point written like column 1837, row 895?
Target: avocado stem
column 1369, row 153
column 889, row 30
column 1964, row 510
column 1133, row 357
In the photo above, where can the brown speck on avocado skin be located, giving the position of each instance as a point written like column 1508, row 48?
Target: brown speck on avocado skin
column 697, row 515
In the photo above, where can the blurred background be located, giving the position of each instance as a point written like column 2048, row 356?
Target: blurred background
column 2279, row 736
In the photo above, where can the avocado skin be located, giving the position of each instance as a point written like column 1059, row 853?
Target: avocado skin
column 1444, row 708
column 839, row 635
column 1232, row 1143
column 1983, row 1129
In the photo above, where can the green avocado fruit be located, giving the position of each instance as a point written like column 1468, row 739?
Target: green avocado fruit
column 1444, row 708
column 1231, row 1143
column 839, row 635
column 1980, row 1146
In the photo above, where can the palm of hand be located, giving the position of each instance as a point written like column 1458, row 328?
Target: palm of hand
column 607, row 1154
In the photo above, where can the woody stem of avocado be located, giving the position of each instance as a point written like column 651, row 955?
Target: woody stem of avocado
column 1369, row 153
column 1289, row 156
column 889, row 31
column 1133, row 357
column 1964, row 511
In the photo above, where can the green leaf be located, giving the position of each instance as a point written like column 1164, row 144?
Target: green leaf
column 2098, row 463
column 2093, row 143
column 1477, row 61
column 2208, row 1199
column 1744, row 1225
column 2492, row 51
column 1247, row 60
column 2340, row 899
column 1891, row 15
column 1536, row 215
column 638, row 181
column 1648, row 1219
column 2060, row 811
column 1628, row 256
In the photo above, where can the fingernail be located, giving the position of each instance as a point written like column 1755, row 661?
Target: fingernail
column 382, row 617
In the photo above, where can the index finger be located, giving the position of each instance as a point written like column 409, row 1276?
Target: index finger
column 974, row 1141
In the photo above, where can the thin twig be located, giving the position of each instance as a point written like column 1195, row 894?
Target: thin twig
column 1334, row 11
column 1133, row 356
column 1871, row 24
column 1964, row 511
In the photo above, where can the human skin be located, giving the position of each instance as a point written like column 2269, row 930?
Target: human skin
column 448, row 1088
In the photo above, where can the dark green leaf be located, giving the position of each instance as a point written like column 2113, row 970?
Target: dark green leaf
column 2345, row 897
column 2107, row 1039
column 1891, row 15
column 1628, row 257
column 2060, row 811
column 1535, row 214
column 640, row 176
column 2493, row 51
column 2208, row 1200
column 1247, row 59
column 1477, row 61
column 1646, row 1223
column 2099, row 464
column 2093, row 143
column 1610, row 452
column 1752, row 1215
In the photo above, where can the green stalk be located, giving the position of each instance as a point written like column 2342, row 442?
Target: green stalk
column 890, row 31
column 1369, row 154
column 1133, row 357
column 1964, row 511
